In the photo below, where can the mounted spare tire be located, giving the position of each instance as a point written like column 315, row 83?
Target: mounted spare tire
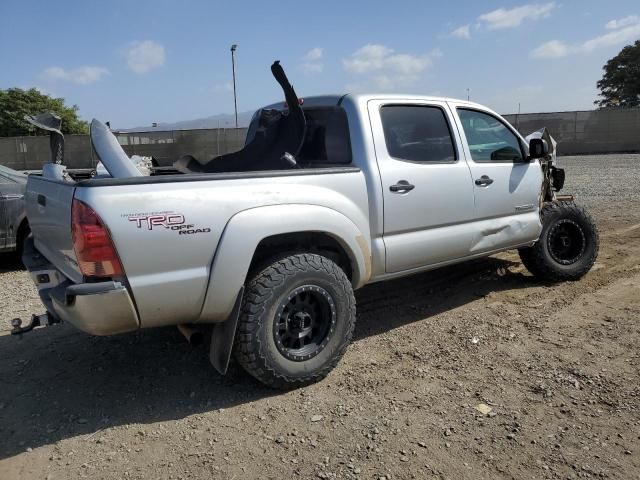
column 567, row 247
column 296, row 321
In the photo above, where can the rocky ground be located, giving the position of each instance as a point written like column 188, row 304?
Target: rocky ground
column 474, row 371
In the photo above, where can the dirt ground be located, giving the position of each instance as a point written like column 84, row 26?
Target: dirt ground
column 558, row 365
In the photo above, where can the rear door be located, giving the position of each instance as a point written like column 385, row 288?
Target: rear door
column 506, row 187
column 426, row 184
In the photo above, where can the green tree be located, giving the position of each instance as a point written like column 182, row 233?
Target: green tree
column 620, row 84
column 15, row 103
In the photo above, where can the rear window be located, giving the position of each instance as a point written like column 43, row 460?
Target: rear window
column 327, row 140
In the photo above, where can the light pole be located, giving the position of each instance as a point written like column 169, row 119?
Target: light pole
column 233, row 70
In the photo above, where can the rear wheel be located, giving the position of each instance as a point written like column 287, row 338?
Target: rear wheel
column 568, row 245
column 296, row 321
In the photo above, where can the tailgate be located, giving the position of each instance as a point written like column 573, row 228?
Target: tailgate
column 48, row 204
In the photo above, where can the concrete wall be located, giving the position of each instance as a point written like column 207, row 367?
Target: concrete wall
column 30, row 153
column 595, row 131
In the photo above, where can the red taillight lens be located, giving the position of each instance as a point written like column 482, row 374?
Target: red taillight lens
column 96, row 254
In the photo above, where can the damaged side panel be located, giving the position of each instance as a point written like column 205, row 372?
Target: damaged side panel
column 496, row 233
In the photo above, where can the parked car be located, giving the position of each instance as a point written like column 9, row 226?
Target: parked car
column 14, row 227
column 268, row 244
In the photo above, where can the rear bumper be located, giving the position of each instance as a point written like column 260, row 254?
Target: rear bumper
column 103, row 308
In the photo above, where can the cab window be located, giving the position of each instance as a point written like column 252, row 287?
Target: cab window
column 417, row 133
column 489, row 139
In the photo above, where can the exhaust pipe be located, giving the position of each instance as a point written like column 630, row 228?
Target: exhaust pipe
column 194, row 337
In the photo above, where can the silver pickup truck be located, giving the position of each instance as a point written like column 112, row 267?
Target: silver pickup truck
column 268, row 244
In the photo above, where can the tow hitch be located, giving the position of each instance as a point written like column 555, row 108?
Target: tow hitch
column 43, row 320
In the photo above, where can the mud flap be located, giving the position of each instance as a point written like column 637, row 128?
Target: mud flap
column 222, row 338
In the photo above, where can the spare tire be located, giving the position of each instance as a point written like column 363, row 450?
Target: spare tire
column 567, row 247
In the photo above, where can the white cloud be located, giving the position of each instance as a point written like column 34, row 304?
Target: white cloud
column 616, row 37
column 145, row 56
column 313, row 54
column 81, row 75
column 309, row 67
column 622, row 22
column 513, row 17
column 372, row 58
column 552, row 49
column 462, row 32
column 386, row 69
column 223, row 87
column 311, row 60
column 558, row 49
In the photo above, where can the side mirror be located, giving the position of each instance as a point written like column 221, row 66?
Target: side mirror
column 538, row 148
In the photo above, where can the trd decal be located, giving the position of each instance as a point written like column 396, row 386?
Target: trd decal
column 167, row 220
column 150, row 221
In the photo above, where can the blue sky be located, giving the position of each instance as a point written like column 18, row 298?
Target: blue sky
column 137, row 62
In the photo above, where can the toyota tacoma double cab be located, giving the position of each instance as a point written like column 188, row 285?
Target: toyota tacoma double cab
column 268, row 244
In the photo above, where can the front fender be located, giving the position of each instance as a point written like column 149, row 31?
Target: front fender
column 247, row 229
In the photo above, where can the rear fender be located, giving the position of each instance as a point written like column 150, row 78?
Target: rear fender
column 246, row 229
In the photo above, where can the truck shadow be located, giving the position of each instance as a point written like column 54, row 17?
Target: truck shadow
column 59, row 383
column 10, row 262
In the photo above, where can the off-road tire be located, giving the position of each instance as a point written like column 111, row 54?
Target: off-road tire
column 540, row 261
column 266, row 292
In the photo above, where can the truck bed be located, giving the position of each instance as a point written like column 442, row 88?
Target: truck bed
column 166, row 229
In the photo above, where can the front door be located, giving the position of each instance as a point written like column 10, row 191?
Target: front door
column 506, row 186
column 426, row 184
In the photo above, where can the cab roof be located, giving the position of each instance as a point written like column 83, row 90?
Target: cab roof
column 336, row 99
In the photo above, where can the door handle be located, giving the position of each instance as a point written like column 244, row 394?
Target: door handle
column 402, row 187
column 484, row 181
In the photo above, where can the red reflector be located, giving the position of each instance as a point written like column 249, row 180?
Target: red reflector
column 96, row 254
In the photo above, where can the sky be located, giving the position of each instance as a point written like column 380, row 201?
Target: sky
column 138, row 62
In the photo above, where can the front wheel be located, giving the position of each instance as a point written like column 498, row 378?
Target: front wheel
column 296, row 321
column 568, row 245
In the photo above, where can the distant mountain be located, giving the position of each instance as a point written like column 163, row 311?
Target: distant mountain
column 222, row 120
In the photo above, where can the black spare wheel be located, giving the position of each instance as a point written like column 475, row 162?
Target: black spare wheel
column 568, row 245
column 296, row 321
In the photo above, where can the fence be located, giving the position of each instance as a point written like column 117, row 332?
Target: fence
column 595, row 131
column 30, row 153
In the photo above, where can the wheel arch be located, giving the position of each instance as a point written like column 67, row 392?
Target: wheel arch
column 253, row 236
column 23, row 228
column 22, row 231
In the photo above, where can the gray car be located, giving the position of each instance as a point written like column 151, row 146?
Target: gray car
column 14, row 227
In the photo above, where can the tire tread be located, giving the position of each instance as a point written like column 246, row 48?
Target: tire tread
column 535, row 259
column 255, row 303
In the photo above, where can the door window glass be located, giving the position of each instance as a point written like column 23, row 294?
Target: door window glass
column 417, row 133
column 489, row 139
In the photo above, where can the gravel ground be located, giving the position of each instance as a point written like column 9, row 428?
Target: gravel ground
column 473, row 371
column 607, row 185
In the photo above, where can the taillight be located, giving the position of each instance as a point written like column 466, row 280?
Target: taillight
column 96, row 254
